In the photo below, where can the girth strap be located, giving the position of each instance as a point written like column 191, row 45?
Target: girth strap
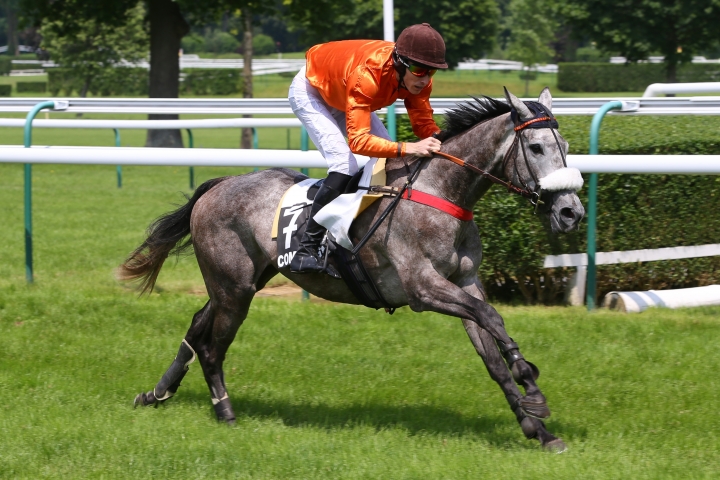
column 439, row 203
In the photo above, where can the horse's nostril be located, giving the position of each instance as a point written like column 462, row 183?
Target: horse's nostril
column 567, row 213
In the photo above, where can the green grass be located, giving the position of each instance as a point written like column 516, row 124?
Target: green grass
column 320, row 390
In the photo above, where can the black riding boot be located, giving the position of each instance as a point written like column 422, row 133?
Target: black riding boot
column 307, row 258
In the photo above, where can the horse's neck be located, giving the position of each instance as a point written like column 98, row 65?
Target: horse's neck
column 482, row 146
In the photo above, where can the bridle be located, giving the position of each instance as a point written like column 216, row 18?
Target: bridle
column 542, row 119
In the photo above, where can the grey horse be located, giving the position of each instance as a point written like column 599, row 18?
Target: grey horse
column 419, row 256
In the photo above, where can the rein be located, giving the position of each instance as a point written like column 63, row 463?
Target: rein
column 524, row 192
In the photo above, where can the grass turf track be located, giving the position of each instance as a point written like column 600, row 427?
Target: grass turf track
column 321, row 390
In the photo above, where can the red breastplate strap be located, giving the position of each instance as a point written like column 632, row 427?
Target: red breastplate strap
column 439, row 203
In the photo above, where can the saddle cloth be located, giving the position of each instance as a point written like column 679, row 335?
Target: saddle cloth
column 293, row 211
column 291, row 219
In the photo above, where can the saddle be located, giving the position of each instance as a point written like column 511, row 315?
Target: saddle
column 291, row 218
column 367, row 186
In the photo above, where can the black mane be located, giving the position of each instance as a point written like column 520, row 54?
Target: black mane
column 468, row 114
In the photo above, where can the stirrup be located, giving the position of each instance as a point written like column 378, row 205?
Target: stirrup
column 330, row 270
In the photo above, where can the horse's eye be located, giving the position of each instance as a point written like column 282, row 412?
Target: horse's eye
column 536, row 148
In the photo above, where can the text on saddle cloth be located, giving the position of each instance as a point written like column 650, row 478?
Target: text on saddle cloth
column 291, row 219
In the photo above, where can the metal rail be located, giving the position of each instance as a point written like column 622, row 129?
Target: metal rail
column 280, row 106
column 227, row 157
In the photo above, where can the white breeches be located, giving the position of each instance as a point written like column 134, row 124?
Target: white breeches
column 326, row 125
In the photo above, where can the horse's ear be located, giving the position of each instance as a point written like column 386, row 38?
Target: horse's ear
column 523, row 111
column 546, row 99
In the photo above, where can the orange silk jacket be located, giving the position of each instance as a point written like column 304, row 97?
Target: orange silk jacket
column 357, row 77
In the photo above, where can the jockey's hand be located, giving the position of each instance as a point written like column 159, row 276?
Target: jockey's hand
column 423, row 148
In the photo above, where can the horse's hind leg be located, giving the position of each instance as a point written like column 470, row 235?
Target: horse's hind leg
column 213, row 341
column 170, row 381
column 212, row 331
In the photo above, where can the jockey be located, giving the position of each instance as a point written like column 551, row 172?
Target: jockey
column 335, row 96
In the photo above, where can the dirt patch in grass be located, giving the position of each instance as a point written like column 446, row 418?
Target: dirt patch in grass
column 279, row 290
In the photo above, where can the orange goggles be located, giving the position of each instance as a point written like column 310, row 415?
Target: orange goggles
column 422, row 71
column 417, row 70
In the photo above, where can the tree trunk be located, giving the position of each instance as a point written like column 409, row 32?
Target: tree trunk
column 246, row 137
column 167, row 27
column 11, row 19
column 672, row 72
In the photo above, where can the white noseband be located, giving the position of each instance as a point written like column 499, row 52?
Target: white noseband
column 562, row 179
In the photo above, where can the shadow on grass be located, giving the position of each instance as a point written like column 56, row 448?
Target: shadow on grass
column 498, row 431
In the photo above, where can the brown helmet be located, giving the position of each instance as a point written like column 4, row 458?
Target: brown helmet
column 422, row 44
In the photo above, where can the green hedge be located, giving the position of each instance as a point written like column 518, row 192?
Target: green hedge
column 31, row 87
column 634, row 212
column 632, row 77
column 5, row 90
column 5, row 64
column 134, row 82
column 122, row 81
column 217, row 81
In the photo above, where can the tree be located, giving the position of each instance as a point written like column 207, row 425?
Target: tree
column 531, row 30
column 96, row 47
column 677, row 29
column 468, row 26
column 169, row 21
column 10, row 8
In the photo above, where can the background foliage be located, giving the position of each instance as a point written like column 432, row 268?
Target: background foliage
column 636, row 29
column 219, row 81
column 634, row 212
column 121, row 81
column 96, row 48
column 126, row 81
column 468, row 26
column 608, row 77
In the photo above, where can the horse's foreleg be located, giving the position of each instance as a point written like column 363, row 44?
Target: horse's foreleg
column 438, row 294
column 486, row 329
column 170, row 381
column 487, row 349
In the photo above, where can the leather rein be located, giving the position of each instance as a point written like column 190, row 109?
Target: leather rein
column 524, row 192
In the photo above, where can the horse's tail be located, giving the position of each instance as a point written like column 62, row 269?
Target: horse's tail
column 145, row 262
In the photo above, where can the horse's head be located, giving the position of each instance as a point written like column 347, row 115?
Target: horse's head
column 535, row 161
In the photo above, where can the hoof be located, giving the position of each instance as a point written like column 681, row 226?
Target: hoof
column 224, row 411
column 145, row 399
column 534, row 408
column 555, row 446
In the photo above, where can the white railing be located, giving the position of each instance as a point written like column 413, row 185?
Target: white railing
column 575, row 292
column 158, row 124
column 259, row 66
column 207, row 157
column 281, row 106
column 504, row 65
column 640, row 164
column 657, row 89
